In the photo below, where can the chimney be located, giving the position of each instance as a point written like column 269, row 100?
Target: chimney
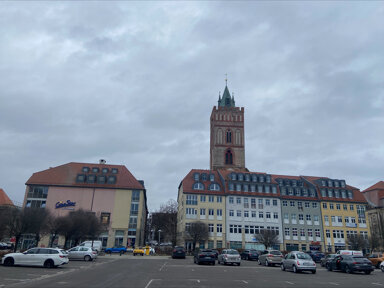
column 102, row 161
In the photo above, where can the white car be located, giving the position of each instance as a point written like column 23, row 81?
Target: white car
column 45, row 257
column 382, row 266
column 229, row 256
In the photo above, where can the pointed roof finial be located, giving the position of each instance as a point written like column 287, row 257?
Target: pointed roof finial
column 226, row 79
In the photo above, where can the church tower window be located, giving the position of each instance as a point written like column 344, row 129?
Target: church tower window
column 229, row 136
column 228, row 157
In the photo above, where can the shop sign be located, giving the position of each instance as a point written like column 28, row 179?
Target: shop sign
column 61, row 204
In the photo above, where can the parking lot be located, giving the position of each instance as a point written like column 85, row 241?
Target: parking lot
column 157, row 271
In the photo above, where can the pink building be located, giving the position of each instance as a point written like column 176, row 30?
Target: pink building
column 109, row 191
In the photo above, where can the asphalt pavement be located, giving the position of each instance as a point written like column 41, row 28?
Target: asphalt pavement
column 162, row 271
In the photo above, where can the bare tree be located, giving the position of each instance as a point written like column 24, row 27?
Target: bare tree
column 197, row 232
column 36, row 222
column 375, row 242
column 356, row 242
column 166, row 221
column 267, row 237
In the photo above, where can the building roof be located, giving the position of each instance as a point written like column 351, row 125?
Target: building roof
column 226, row 100
column 378, row 186
column 66, row 175
column 189, row 181
column 4, row 199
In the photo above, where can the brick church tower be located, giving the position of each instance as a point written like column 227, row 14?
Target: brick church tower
column 227, row 134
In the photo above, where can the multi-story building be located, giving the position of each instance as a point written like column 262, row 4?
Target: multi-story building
column 111, row 192
column 252, row 206
column 343, row 210
column 201, row 198
column 301, row 214
column 307, row 213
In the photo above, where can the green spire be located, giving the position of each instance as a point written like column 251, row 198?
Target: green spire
column 227, row 100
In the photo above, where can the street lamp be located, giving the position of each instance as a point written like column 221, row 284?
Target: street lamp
column 159, row 235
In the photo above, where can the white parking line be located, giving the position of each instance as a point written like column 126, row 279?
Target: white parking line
column 163, row 266
column 289, row 282
column 150, row 281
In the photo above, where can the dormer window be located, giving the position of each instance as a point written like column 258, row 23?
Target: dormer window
column 114, row 170
column 312, row 193
column 323, row 193
column 298, row 192
column 198, row 186
column 233, row 177
column 211, row 177
column 85, row 169
column 80, row 178
column 204, row 177
column 254, row 178
column 268, row 179
column 323, row 183
column 246, row 177
column 91, row 178
column 101, row 179
column 111, row 179
column 261, row 178
column 196, row 176
column 342, row 183
column 104, row 170
column 214, row 187
column 240, row 177
column 95, row 170
column 337, row 193
column 336, row 183
column 231, row 187
column 330, row 193
column 330, row 183
column 343, row 194
column 350, row 195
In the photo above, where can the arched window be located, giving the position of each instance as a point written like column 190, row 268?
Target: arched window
column 198, row 186
column 214, row 187
column 228, row 157
column 229, row 136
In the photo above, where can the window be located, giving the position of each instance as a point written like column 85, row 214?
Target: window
column 219, row 199
column 351, row 207
column 91, row 178
column 228, row 157
column 333, row 219
column 238, row 213
column 317, row 232
column 245, row 187
column 302, row 232
column 286, row 216
column 85, row 169
column 331, row 206
column 253, row 214
column 132, row 222
column 104, row 170
column 261, row 215
column 204, row 176
column 114, row 171
column 301, row 217
column 310, row 233
column 238, row 200
column 211, row 177
column 267, row 202
column 274, row 190
column 80, row 178
column 337, row 206
column 95, row 169
column 210, row 228
column 314, row 204
column 246, row 214
column 268, row 215
column 37, row 192
column 275, row 215
column 231, row 213
column 246, row 177
column 229, row 136
column 330, row 193
column 286, row 231
column 219, row 212
column 267, row 188
column 230, row 200
column 253, row 188
column 202, row 198
column 338, row 234
column 253, row 203
column 211, row 212
column 316, row 218
column 274, row 202
column 219, row 228
column 211, row 198
column 260, row 203
column 350, row 195
column 101, row 179
column 135, row 196
column 190, row 211
column 134, row 208
column 196, row 176
column 293, row 217
column 326, row 218
column 202, row 211
column 292, row 203
column 198, row 186
column 260, row 188
column 325, row 206
column 300, row 204
column 294, row 231
column 285, row 203
column 308, row 217
column 306, row 204
column 345, row 206
column 191, row 199
column 238, row 187
column 323, row 193
column 214, row 187
column 328, row 233
column 246, row 204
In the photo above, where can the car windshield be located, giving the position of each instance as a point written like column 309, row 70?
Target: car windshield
column 275, row 252
column 303, row 256
column 232, row 252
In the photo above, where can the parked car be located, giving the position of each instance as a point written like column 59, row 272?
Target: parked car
column 249, row 255
column 298, row 262
column 324, row 262
column 316, row 256
column 229, row 256
column 376, row 259
column 382, row 266
column 45, row 257
column 349, row 252
column 82, row 253
column 138, row 251
column 270, row 257
column 94, row 244
column 5, row 246
column 204, row 256
column 216, row 253
column 116, row 249
column 350, row 264
column 178, row 252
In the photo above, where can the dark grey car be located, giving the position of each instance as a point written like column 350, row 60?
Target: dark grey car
column 324, row 262
column 350, row 264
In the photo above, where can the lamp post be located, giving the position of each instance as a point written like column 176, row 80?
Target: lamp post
column 159, row 235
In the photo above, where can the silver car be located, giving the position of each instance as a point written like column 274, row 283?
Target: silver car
column 297, row 262
column 270, row 257
column 229, row 256
column 82, row 253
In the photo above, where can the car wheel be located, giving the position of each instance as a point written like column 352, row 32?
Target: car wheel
column 382, row 268
column 314, row 272
column 266, row 263
column 9, row 261
column 87, row 258
column 49, row 264
column 368, row 272
column 348, row 270
column 238, row 264
column 282, row 267
column 294, row 269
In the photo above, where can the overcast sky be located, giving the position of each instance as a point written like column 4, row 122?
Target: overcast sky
column 134, row 83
